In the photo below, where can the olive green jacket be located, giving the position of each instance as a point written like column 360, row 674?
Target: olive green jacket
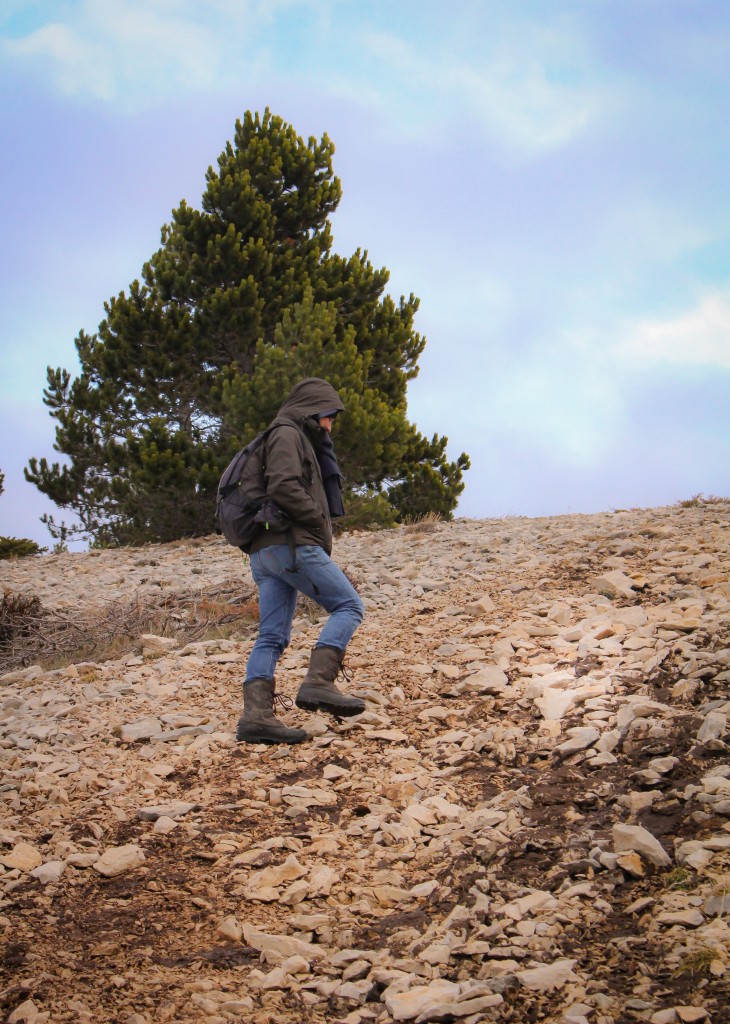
column 291, row 470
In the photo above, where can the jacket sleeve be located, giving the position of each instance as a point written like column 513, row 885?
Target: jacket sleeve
column 289, row 477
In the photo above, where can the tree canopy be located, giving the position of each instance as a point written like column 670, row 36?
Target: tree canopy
column 243, row 298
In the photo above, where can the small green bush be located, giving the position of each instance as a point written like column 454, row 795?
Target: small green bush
column 14, row 547
column 366, row 512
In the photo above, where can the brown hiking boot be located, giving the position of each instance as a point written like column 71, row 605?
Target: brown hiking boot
column 318, row 691
column 258, row 723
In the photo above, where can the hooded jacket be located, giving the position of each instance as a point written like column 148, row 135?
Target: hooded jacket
column 291, row 470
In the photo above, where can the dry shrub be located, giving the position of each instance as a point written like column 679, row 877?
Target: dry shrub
column 422, row 524
column 699, row 500
column 31, row 634
column 18, row 613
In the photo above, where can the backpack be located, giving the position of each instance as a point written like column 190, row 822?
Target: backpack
column 243, row 508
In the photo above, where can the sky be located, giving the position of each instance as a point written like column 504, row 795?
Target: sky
column 549, row 178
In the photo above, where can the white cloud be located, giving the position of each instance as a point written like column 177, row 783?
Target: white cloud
column 699, row 337
column 134, row 50
column 522, row 106
column 531, row 87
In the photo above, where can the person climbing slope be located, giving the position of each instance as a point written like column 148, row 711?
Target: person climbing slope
column 291, row 556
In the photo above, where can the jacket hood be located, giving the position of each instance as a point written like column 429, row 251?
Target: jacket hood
column 310, row 397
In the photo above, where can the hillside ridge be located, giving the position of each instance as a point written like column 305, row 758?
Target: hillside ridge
column 530, row 822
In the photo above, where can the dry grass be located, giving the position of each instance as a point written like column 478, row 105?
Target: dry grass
column 52, row 638
column 422, row 524
column 698, row 500
column 698, row 962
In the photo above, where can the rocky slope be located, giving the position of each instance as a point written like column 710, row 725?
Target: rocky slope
column 530, row 822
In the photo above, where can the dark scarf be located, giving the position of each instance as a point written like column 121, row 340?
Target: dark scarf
column 331, row 476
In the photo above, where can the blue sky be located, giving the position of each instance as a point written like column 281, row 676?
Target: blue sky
column 550, row 178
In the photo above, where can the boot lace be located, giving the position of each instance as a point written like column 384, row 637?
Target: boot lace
column 345, row 672
column 286, row 703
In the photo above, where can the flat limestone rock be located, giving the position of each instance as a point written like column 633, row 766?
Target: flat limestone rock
column 579, row 738
column 554, row 703
column 688, row 918
column 49, row 872
column 615, row 584
column 117, row 860
column 548, row 977
column 26, row 1013
column 175, row 809
column 282, row 945
column 230, row 928
column 490, row 679
column 276, row 875
column 24, row 857
column 713, row 727
column 420, row 999
column 153, row 644
column 635, row 838
column 132, row 732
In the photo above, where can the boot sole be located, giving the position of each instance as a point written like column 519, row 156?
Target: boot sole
column 269, row 740
column 334, row 709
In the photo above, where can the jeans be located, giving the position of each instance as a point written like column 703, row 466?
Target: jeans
column 316, row 576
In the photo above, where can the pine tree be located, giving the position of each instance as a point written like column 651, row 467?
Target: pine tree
column 243, row 297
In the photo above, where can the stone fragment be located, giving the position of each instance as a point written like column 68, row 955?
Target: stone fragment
column 490, row 679
column 577, row 1014
column 420, row 999
column 454, row 1009
column 49, row 872
column 718, row 904
column 27, row 1013
column 175, row 809
column 132, row 732
column 688, row 918
column 321, row 879
column 418, row 813
column 628, row 838
column 579, row 738
column 230, row 928
column 21, row 675
column 713, row 727
column 296, row 965
column 116, row 860
column 237, row 1007
column 153, row 644
column 389, row 735
column 173, row 735
column 270, row 878
column 24, row 857
column 615, row 584
column 82, row 860
column 164, row 825
column 280, row 945
column 608, row 741
column 554, row 703
column 631, row 863
column 547, row 977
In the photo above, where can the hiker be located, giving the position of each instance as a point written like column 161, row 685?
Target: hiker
column 303, row 481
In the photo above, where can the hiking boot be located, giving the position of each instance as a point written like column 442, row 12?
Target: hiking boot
column 258, row 723
column 318, row 691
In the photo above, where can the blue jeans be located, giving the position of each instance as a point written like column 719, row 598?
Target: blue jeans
column 318, row 577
